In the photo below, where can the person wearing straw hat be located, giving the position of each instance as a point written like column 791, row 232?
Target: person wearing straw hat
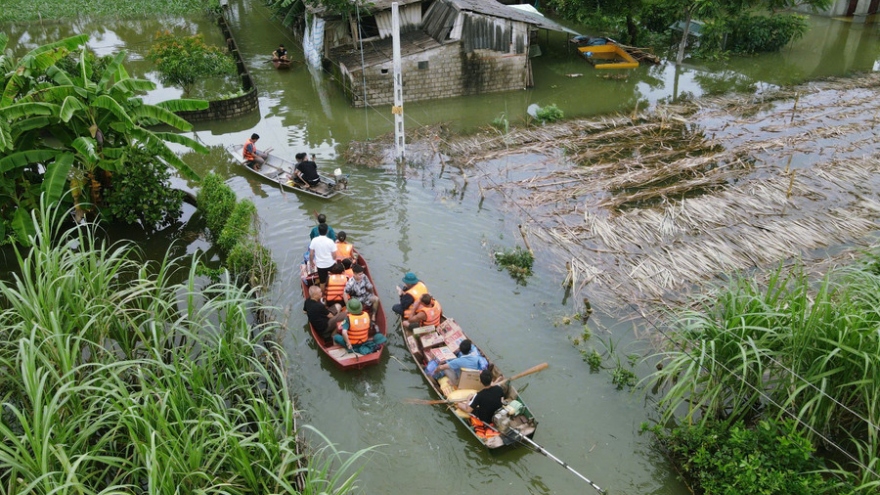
column 410, row 293
column 356, row 330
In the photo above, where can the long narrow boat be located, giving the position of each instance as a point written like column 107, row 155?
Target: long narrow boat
column 279, row 170
column 340, row 355
column 426, row 342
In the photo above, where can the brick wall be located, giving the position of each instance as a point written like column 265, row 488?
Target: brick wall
column 449, row 72
column 232, row 107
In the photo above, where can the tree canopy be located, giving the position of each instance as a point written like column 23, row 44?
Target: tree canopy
column 65, row 128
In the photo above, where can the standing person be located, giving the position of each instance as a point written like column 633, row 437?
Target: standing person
column 322, row 219
column 485, row 402
column 306, row 171
column 468, row 357
column 322, row 318
column 344, row 249
column 427, row 314
column 359, row 287
column 253, row 158
column 280, row 53
column 356, row 329
column 410, row 293
column 322, row 252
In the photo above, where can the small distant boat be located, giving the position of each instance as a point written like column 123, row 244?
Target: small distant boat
column 338, row 354
column 444, row 339
column 278, row 170
column 281, row 63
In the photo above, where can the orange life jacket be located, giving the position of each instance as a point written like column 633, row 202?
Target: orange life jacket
column 482, row 430
column 359, row 328
column 249, row 155
column 343, row 250
column 416, row 292
column 335, row 287
column 432, row 313
column 348, row 273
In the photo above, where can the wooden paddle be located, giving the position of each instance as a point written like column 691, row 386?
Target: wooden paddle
column 533, row 369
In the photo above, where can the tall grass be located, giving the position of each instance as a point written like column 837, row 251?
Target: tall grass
column 785, row 348
column 116, row 379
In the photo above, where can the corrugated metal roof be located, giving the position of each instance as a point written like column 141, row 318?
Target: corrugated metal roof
column 497, row 9
column 379, row 52
column 368, row 6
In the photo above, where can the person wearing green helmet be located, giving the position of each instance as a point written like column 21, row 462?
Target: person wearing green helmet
column 356, row 330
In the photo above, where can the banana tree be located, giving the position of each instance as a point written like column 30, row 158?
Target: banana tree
column 68, row 131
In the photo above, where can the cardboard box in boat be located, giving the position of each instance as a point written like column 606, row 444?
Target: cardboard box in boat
column 453, row 339
column 469, row 380
column 431, row 340
column 423, row 330
column 442, row 354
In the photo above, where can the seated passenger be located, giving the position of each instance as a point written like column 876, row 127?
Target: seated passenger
column 323, row 319
column 484, row 403
column 344, row 249
column 360, row 288
column 336, row 282
column 356, row 329
column 346, row 268
column 427, row 313
column 468, row 357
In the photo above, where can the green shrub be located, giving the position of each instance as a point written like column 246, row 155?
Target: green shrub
column 251, row 262
column 749, row 34
column 550, row 113
column 501, row 123
column 183, row 60
column 772, row 458
column 141, row 192
column 517, row 261
column 216, row 200
column 239, row 226
column 756, row 34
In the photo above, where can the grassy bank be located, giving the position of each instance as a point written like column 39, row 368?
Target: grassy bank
column 24, row 10
column 116, row 379
column 782, row 352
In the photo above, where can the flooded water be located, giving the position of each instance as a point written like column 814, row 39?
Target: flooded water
column 433, row 224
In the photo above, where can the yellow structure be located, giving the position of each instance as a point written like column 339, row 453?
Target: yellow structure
column 608, row 56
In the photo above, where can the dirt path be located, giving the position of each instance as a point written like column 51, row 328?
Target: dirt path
column 646, row 208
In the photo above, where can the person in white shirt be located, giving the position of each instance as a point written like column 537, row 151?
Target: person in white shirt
column 322, row 252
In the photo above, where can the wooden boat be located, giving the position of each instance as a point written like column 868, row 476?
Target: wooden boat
column 280, row 63
column 279, row 170
column 420, row 342
column 340, row 355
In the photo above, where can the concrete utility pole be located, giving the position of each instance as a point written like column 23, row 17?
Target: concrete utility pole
column 397, row 109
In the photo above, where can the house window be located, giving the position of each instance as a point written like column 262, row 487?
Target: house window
column 423, row 65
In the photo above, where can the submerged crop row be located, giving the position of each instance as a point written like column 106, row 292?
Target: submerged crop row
column 117, row 378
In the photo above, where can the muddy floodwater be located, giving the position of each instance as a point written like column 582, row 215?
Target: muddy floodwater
column 788, row 170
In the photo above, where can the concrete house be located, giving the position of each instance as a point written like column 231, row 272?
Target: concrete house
column 448, row 48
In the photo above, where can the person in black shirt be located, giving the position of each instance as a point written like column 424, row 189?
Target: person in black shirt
column 280, row 53
column 306, row 171
column 485, row 402
column 322, row 319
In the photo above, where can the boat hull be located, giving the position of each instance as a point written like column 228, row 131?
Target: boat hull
column 339, row 355
column 279, row 170
column 524, row 423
